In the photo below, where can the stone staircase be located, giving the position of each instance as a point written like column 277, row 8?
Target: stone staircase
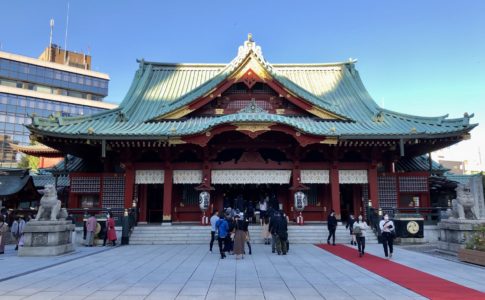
column 196, row 234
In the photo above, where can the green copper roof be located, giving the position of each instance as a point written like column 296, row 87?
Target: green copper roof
column 159, row 88
column 420, row 164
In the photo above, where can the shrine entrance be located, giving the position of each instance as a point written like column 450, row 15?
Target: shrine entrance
column 350, row 201
column 242, row 188
column 155, row 203
column 244, row 196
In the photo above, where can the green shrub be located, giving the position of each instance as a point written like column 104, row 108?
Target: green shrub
column 476, row 241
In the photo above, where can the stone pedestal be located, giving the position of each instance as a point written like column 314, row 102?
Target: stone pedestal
column 454, row 233
column 47, row 238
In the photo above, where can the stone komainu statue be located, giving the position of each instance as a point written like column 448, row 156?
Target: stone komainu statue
column 50, row 206
column 463, row 205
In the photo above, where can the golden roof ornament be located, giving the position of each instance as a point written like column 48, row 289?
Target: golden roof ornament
column 249, row 45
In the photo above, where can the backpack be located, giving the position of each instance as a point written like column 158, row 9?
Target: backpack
column 358, row 231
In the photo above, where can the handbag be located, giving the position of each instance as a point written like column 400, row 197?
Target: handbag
column 392, row 231
column 357, row 231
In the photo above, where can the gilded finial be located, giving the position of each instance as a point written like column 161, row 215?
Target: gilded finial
column 250, row 37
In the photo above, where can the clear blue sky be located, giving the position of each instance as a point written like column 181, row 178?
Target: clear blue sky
column 417, row 57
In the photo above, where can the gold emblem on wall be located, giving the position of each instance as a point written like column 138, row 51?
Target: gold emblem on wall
column 176, row 141
column 253, row 127
column 330, row 141
column 412, row 227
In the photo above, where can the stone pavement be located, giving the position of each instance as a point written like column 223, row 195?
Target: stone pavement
column 12, row 266
column 191, row 272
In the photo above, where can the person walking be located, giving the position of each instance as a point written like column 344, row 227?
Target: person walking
column 265, row 234
column 263, row 207
column 250, row 212
column 104, row 232
column 90, row 229
column 239, row 236
column 17, row 231
column 223, row 231
column 213, row 221
column 282, row 235
column 273, row 222
column 360, row 227
column 350, row 226
column 387, row 231
column 229, row 244
column 246, row 232
column 332, row 226
column 111, row 230
column 3, row 233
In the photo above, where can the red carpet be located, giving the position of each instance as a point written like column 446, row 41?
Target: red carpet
column 419, row 282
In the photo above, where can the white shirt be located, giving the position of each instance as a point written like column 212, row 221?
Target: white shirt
column 263, row 205
column 213, row 221
column 389, row 225
column 363, row 226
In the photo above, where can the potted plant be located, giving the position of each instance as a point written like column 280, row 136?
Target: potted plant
column 474, row 251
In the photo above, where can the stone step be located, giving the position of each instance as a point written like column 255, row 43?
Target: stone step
column 196, row 234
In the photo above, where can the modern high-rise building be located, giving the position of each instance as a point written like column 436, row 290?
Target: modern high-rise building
column 59, row 82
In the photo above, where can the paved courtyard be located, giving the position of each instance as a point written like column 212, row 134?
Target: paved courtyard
column 191, row 272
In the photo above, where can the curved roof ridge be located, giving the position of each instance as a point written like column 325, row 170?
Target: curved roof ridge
column 438, row 119
column 174, row 64
column 325, row 64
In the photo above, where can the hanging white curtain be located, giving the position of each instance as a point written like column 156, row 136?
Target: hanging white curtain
column 352, row 176
column 251, row 176
column 315, row 176
column 187, row 176
column 149, row 176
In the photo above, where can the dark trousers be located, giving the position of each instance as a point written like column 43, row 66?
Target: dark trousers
column 213, row 235
column 331, row 234
column 249, row 247
column 387, row 241
column 228, row 244
column 281, row 245
column 273, row 242
column 221, row 242
column 361, row 243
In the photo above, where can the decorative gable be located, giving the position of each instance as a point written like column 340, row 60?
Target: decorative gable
column 250, row 69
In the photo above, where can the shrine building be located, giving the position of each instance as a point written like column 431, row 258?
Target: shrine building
column 248, row 129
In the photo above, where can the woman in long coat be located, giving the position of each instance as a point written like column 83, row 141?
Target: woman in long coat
column 239, row 236
column 111, row 231
column 3, row 233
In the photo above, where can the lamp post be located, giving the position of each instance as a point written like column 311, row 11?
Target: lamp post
column 368, row 211
column 204, row 201
column 300, row 203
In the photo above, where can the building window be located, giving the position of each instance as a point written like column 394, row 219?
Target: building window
column 409, row 201
column 189, row 195
column 89, row 201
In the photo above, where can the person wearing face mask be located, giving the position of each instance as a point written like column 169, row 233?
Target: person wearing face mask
column 360, row 226
column 387, row 229
column 332, row 226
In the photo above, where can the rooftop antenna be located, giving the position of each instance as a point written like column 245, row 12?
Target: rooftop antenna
column 51, row 23
column 65, row 38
